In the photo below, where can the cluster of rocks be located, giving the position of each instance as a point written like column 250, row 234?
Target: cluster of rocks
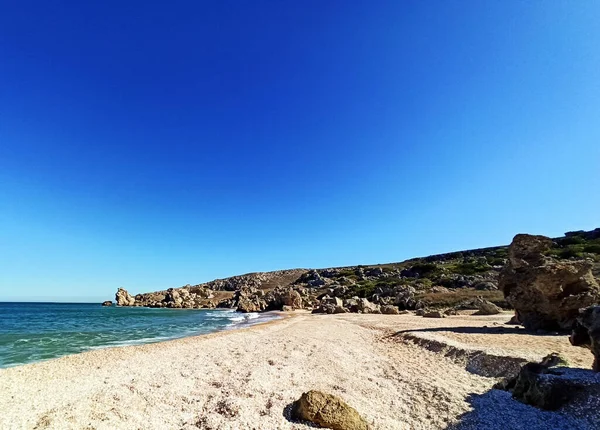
column 386, row 300
column 186, row 297
column 545, row 292
column 255, row 300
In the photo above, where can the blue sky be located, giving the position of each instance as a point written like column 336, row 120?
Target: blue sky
column 150, row 145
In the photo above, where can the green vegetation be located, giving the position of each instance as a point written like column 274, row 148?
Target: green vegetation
column 577, row 244
column 462, row 296
column 469, row 268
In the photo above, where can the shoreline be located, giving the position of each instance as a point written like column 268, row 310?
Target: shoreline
column 247, row 378
column 255, row 319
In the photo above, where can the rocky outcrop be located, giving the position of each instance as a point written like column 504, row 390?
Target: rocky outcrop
column 249, row 299
column 123, row 298
column 327, row 411
column 586, row 333
column 550, row 386
column 545, row 292
column 485, row 307
column 107, row 303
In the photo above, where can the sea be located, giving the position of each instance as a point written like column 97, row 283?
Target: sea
column 31, row 332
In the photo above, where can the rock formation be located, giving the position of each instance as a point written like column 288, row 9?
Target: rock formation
column 123, row 298
column 545, row 292
column 549, row 385
column 327, row 411
column 107, row 303
column 586, row 332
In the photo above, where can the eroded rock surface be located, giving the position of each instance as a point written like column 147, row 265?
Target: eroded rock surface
column 545, row 292
column 123, row 298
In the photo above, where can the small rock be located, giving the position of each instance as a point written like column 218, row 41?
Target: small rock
column 327, row 411
column 107, row 303
column 485, row 307
column 389, row 310
column 434, row 314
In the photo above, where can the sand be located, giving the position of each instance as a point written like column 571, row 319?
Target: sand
column 246, row 379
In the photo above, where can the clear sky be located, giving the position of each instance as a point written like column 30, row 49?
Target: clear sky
column 149, row 145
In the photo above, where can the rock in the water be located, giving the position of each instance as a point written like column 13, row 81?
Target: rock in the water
column 107, row 303
column 389, row 310
column 485, row 307
column 123, row 298
column 546, row 293
column 327, row 411
column 586, row 332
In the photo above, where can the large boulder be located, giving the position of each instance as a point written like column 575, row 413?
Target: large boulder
column 249, row 299
column 586, row 332
column 174, row 298
column 545, row 292
column 366, row 307
column 123, row 298
column 330, row 305
column 327, row 411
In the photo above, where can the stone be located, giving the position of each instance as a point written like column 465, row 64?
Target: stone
column 514, row 320
column 586, row 333
column 434, row 314
column 327, row 411
column 366, row 307
column 485, row 307
column 389, row 310
column 545, row 292
column 107, row 303
column 286, row 308
column 123, row 298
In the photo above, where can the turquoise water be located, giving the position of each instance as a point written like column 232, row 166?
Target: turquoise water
column 32, row 332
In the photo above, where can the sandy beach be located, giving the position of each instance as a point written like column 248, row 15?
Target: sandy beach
column 394, row 369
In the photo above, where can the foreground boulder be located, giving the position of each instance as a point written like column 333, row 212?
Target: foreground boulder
column 123, row 298
column 586, row 332
column 327, row 411
column 546, row 293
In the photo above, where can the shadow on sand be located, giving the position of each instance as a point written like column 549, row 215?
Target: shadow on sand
column 479, row 330
column 496, row 409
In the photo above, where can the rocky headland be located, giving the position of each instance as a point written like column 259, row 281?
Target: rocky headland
column 545, row 280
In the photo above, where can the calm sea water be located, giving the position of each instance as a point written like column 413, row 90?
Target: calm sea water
column 39, row 331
